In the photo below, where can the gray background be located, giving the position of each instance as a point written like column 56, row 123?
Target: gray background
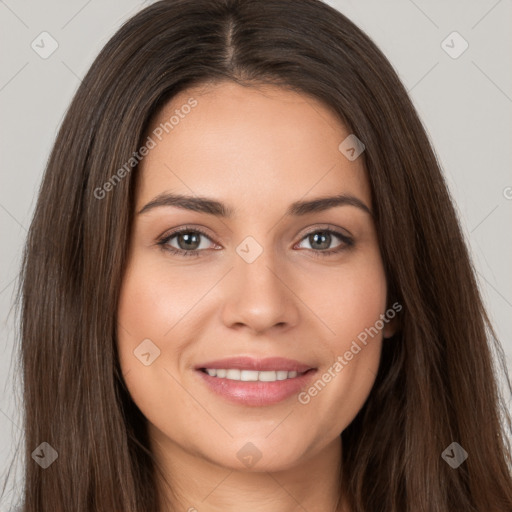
column 465, row 104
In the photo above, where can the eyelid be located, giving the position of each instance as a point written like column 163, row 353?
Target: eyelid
column 324, row 227
column 163, row 239
column 306, row 231
column 347, row 241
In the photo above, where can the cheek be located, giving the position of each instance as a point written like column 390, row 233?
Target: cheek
column 142, row 311
column 149, row 308
column 348, row 300
column 351, row 306
column 152, row 302
column 357, row 322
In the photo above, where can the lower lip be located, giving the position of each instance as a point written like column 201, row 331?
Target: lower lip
column 256, row 393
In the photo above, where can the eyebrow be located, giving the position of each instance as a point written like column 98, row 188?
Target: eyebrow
column 213, row 207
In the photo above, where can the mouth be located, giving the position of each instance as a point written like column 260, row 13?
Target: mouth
column 253, row 375
column 255, row 382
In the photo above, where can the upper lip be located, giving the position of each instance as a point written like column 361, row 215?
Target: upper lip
column 256, row 364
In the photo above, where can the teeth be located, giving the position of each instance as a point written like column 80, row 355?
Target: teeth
column 251, row 375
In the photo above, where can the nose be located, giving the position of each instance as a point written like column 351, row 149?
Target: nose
column 260, row 295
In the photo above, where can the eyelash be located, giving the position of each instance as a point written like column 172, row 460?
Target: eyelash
column 347, row 242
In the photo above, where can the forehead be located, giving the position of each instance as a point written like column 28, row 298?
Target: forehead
column 246, row 142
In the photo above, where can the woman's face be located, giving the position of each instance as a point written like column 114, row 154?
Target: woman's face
column 263, row 279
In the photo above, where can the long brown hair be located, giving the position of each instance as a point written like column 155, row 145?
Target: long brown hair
column 438, row 378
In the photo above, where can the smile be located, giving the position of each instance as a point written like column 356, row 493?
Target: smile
column 251, row 375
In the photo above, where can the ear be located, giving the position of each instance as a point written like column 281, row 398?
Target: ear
column 393, row 315
column 391, row 327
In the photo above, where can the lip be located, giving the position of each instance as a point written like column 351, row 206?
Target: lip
column 256, row 394
column 252, row 363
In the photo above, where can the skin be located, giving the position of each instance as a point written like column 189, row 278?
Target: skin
column 257, row 150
